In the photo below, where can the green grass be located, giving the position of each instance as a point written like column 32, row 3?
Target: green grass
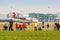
column 29, row 35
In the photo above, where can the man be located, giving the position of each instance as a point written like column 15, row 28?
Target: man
column 43, row 25
column 10, row 24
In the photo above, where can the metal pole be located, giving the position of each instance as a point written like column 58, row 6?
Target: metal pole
column 48, row 15
column 11, row 9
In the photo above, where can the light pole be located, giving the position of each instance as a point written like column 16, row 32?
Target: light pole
column 48, row 13
column 11, row 9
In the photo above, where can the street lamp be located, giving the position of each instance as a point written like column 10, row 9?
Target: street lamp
column 48, row 12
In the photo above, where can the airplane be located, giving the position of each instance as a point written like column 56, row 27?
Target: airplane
column 17, row 17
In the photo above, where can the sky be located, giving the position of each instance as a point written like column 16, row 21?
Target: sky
column 29, row 6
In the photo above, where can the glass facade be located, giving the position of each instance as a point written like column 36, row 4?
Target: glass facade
column 44, row 17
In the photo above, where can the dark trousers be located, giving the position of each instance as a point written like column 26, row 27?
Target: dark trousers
column 58, row 28
column 10, row 28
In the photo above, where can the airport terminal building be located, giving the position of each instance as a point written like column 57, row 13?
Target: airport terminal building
column 45, row 17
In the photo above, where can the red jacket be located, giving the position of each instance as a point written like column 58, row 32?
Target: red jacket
column 17, row 25
column 23, row 25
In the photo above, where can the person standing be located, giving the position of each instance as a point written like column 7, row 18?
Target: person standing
column 10, row 25
column 43, row 25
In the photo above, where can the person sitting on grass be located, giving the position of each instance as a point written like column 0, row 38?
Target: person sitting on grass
column 47, row 26
column 23, row 25
column 35, row 28
column 5, row 26
column 39, row 28
column 20, row 28
column 35, row 24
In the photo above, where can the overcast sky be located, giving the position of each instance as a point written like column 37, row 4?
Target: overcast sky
column 28, row 6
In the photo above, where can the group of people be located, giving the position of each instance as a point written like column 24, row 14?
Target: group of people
column 10, row 25
column 18, row 26
column 41, row 28
column 57, row 26
column 23, row 26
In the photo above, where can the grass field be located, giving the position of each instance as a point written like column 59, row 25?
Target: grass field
column 29, row 35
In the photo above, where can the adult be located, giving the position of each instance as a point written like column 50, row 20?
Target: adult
column 10, row 24
column 42, row 25
column 17, row 26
